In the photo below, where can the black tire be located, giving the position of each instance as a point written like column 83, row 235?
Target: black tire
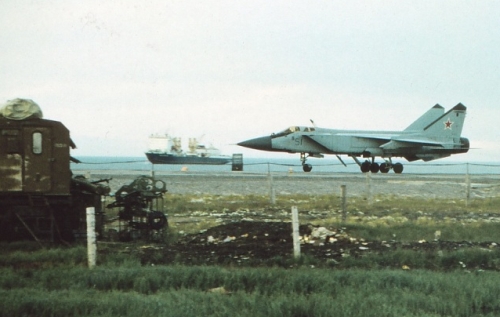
column 398, row 168
column 374, row 168
column 365, row 167
column 307, row 167
column 384, row 168
column 157, row 220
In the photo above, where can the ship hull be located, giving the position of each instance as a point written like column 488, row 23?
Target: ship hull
column 163, row 158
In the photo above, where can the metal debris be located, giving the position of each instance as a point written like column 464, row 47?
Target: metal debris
column 135, row 202
column 219, row 290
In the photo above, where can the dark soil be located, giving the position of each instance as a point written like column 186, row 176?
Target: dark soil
column 249, row 243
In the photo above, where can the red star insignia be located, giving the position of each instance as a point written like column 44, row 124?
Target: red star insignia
column 447, row 124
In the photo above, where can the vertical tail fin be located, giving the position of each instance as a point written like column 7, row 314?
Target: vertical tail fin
column 447, row 126
column 428, row 117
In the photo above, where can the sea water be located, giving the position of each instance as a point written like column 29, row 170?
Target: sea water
column 266, row 165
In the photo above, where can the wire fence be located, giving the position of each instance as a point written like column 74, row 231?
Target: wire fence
column 285, row 165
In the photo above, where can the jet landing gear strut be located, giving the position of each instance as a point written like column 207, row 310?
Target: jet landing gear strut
column 306, row 167
column 374, row 167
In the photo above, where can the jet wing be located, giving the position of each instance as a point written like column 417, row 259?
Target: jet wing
column 408, row 143
column 393, row 142
column 320, row 148
column 381, row 137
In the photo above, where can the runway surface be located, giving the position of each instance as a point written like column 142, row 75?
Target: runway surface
column 357, row 184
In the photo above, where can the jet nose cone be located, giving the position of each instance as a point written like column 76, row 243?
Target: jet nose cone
column 262, row 143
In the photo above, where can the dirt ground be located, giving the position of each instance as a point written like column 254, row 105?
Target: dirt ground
column 244, row 241
column 256, row 242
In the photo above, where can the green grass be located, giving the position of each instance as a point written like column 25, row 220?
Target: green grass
column 407, row 218
column 182, row 291
column 56, row 281
column 414, row 231
column 467, row 260
column 381, row 205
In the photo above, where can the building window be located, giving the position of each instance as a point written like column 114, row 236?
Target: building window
column 37, row 143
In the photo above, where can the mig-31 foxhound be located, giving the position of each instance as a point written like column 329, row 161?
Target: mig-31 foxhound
column 434, row 135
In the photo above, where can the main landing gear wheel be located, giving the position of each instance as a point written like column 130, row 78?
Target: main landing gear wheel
column 307, row 167
column 398, row 168
column 384, row 168
column 374, row 168
column 365, row 167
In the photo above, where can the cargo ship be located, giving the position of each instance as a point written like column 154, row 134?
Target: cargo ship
column 164, row 149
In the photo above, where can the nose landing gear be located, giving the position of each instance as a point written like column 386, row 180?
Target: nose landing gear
column 305, row 167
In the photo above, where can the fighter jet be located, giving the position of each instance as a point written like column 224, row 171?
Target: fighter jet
column 434, row 135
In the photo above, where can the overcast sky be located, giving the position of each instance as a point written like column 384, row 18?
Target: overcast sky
column 116, row 71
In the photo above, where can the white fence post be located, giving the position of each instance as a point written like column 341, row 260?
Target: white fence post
column 272, row 192
column 468, row 184
column 91, row 237
column 343, row 193
column 295, row 230
column 369, row 196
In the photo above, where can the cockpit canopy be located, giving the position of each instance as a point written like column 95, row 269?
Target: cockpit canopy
column 292, row 129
